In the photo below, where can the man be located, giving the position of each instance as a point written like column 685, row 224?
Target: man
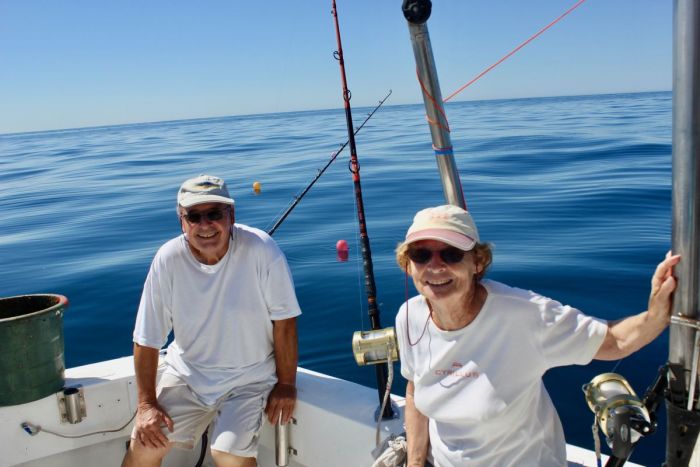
column 226, row 292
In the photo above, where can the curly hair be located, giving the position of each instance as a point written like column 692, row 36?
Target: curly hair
column 482, row 251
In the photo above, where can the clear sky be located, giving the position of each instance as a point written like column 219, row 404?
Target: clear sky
column 67, row 64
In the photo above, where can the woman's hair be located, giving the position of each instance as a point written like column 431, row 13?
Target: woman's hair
column 482, row 251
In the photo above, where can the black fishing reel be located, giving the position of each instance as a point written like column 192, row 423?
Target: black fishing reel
column 417, row 11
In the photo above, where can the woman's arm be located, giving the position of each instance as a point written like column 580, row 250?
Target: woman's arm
column 416, row 431
column 628, row 335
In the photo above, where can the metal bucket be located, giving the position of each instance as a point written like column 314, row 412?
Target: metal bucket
column 32, row 364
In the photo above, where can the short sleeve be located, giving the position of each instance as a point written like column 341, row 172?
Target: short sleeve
column 154, row 318
column 279, row 290
column 405, row 354
column 569, row 337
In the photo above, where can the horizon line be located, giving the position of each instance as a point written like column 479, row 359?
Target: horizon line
column 158, row 122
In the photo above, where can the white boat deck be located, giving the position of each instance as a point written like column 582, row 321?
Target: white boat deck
column 334, row 424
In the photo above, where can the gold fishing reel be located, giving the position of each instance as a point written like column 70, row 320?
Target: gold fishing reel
column 376, row 346
column 622, row 417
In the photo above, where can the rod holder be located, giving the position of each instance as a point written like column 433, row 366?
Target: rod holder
column 282, row 447
column 71, row 405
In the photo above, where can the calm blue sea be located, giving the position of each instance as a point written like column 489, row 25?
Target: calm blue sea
column 574, row 193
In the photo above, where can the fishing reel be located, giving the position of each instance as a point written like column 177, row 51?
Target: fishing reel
column 376, row 346
column 622, row 417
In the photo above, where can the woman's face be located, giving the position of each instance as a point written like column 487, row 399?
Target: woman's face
column 439, row 280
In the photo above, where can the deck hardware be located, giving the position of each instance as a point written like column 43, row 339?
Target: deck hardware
column 71, row 405
column 282, row 447
column 695, row 324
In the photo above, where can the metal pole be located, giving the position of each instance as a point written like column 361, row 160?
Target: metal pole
column 417, row 13
column 683, row 424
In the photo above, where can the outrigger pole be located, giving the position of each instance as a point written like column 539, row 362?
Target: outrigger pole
column 417, row 13
column 370, row 287
column 682, row 401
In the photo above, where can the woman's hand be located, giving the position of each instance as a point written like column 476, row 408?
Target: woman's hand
column 662, row 286
column 628, row 335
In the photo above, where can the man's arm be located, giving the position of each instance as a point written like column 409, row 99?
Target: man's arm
column 416, row 431
column 283, row 397
column 149, row 415
column 628, row 335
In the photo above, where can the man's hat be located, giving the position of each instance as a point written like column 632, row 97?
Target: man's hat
column 203, row 189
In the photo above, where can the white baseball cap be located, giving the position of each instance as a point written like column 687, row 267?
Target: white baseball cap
column 447, row 223
column 203, row 189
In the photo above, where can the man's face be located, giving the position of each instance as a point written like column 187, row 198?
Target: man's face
column 207, row 227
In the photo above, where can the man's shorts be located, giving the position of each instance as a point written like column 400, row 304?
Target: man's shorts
column 237, row 416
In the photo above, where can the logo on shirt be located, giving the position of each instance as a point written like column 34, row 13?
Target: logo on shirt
column 456, row 371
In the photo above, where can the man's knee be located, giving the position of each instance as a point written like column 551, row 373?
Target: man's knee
column 224, row 459
column 142, row 456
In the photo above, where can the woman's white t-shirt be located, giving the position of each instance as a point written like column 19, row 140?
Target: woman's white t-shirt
column 481, row 386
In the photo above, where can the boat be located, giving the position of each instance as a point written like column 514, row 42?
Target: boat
column 88, row 420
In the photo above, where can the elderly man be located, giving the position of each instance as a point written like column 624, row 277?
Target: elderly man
column 226, row 292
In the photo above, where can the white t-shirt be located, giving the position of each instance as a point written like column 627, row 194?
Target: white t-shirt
column 221, row 315
column 481, row 386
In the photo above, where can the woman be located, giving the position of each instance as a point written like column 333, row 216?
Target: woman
column 474, row 350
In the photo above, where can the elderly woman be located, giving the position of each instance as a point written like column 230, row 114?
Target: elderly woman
column 474, row 350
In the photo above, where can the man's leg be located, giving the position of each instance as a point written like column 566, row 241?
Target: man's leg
column 236, row 429
column 190, row 419
column 224, row 459
column 141, row 456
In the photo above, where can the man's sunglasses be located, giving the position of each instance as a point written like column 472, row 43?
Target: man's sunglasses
column 212, row 215
column 449, row 255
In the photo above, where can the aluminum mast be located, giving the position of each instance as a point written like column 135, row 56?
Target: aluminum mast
column 681, row 404
column 417, row 13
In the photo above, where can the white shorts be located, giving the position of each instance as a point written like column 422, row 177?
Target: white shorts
column 237, row 416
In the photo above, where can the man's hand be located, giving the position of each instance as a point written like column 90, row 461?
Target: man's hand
column 281, row 400
column 149, row 420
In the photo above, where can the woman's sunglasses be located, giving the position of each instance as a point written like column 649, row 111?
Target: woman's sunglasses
column 449, row 255
column 212, row 215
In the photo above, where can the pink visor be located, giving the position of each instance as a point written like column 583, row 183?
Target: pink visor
column 450, row 237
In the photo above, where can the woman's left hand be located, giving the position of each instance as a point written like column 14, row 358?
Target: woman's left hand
column 662, row 286
column 634, row 332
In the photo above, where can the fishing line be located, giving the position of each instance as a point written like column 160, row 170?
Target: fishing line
column 439, row 108
column 358, row 273
column 515, row 50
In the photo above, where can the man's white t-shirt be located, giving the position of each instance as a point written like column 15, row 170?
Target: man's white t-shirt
column 481, row 386
column 221, row 315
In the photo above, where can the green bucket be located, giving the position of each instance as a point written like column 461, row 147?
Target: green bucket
column 32, row 365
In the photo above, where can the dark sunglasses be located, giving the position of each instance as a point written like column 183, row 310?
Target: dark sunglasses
column 212, row 215
column 449, row 255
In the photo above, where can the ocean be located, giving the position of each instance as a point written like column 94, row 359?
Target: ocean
column 574, row 193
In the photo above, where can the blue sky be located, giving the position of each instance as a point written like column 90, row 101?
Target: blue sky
column 95, row 62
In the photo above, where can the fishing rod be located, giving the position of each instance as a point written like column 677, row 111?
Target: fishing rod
column 370, row 287
column 298, row 198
